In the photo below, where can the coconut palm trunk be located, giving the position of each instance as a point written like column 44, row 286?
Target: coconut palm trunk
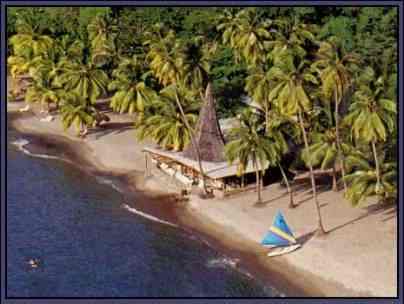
column 334, row 179
column 16, row 86
column 339, row 154
column 321, row 229
column 266, row 117
column 83, row 129
column 194, row 144
column 376, row 164
column 285, row 178
column 258, row 181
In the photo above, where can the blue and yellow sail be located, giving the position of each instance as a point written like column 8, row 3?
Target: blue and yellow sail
column 279, row 233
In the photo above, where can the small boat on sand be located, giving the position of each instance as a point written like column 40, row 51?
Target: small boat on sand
column 279, row 237
column 25, row 109
column 48, row 118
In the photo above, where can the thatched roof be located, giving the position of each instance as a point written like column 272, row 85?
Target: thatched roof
column 213, row 170
column 208, row 135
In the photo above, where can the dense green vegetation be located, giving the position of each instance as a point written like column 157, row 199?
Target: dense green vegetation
column 325, row 80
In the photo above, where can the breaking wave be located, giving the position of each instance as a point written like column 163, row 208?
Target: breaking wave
column 148, row 216
column 223, row 262
column 106, row 181
column 21, row 143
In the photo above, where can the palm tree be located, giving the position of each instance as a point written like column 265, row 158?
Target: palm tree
column 87, row 80
column 280, row 128
column 252, row 145
column 27, row 43
column 163, row 58
column 70, row 49
column 18, row 66
column 42, row 71
column 258, row 86
column 131, row 90
column 227, row 24
column 290, row 96
column 336, row 79
column 38, row 92
column 194, row 60
column 162, row 121
column 184, row 65
column 46, row 69
column 26, row 46
column 365, row 181
column 291, row 35
column 194, row 144
column 76, row 111
column 248, row 35
column 102, row 34
column 323, row 151
column 371, row 115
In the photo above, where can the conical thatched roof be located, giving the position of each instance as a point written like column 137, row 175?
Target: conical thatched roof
column 208, row 135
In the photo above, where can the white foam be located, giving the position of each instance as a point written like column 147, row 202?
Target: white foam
column 199, row 239
column 223, row 262
column 106, row 181
column 21, row 143
column 148, row 216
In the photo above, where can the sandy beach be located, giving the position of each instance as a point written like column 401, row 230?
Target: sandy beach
column 358, row 257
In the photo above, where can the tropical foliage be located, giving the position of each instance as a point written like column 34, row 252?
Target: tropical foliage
column 87, row 80
column 252, row 146
column 161, row 120
column 129, row 82
column 324, row 81
column 76, row 112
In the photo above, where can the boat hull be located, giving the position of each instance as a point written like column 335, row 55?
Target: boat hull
column 276, row 251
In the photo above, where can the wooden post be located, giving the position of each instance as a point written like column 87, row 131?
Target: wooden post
column 175, row 172
column 147, row 169
column 145, row 161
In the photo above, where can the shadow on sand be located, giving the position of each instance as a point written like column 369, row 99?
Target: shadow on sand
column 390, row 210
column 303, row 239
column 110, row 128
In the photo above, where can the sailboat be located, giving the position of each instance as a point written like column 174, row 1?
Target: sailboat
column 279, row 237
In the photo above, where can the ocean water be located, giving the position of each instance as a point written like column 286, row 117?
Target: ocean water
column 89, row 243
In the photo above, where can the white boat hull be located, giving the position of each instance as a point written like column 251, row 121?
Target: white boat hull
column 275, row 251
column 25, row 109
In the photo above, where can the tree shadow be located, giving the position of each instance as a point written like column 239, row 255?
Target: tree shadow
column 321, row 181
column 264, row 203
column 300, row 187
column 370, row 210
column 103, row 103
column 110, row 128
column 259, row 204
column 320, row 189
column 303, row 201
column 389, row 218
column 305, row 237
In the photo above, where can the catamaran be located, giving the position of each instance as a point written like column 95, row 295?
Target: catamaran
column 279, row 237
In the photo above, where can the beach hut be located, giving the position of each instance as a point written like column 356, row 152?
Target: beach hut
column 208, row 135
column 219, row 175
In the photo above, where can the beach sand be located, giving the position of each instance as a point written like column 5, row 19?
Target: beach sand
column 358, row 257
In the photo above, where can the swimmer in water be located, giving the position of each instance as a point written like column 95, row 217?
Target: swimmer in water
column 34, row 263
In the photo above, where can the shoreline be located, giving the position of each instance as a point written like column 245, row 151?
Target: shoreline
column 206, row 218
column 163, row 206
